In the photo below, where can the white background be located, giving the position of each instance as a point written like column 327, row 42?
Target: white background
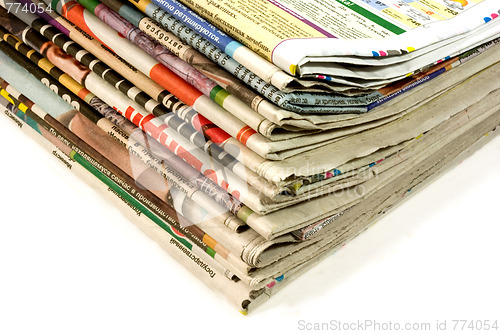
column 81, row 267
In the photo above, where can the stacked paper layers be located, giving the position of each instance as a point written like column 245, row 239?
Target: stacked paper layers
column 251, row 166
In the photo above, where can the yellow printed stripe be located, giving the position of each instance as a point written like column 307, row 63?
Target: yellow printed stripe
column 7, row 96
column 44, row 64
column 141, row 4
column 70, row 83
column 221, row 96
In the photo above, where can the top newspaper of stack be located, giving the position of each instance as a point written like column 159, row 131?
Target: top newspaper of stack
column 320, row 40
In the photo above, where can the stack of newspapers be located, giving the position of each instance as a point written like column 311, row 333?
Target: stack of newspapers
column 253, row 138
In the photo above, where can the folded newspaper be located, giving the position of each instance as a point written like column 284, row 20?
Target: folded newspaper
column 357, row 40
column 249, row 197
column 245, row 297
